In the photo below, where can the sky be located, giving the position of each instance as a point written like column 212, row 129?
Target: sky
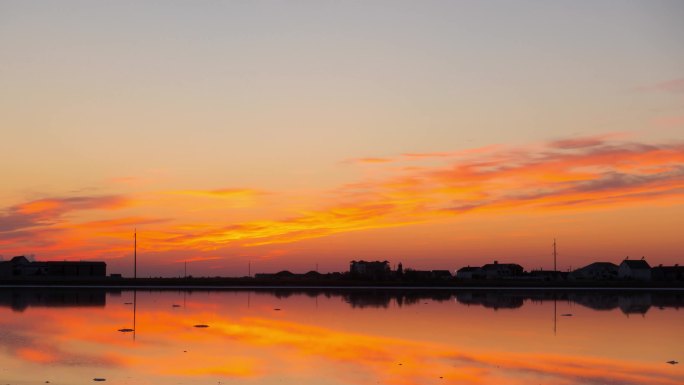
column 305, row 134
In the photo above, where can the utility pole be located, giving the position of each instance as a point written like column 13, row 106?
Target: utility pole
column 185, row 271
column 554, row 254
column 135, row 253
column 249, row 269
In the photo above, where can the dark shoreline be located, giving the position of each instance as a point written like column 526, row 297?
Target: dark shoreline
column 255, row 284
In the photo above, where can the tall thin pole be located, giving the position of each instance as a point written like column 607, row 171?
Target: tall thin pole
column 185, row 271
column 249, row 268
column 135, row 253
column 554, row 255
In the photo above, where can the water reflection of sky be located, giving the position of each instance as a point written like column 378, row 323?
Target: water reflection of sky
column 344, row 337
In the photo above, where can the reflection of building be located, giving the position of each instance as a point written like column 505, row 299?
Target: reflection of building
column 636, row 269
column 21, row 267
column 20, row 299
column 370, row 270
column 635, row 303
column 597, row 271
column 492, row 300
column 498, row 270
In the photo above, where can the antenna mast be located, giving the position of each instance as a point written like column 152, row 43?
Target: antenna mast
column 554, row 254
column 135, row 253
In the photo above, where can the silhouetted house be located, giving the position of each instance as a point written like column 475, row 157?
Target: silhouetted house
column 470, row 273
column 547, row 275
column 370, row 270
column 498, row 270
column 412, row 275
column 20, row 266
column 441, row 275
column 635, row 269
column 597, row 271
column 668, row 273
column 313, row 274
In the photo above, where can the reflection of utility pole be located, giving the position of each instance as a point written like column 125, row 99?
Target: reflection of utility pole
column 555, row 318
column 135, row 303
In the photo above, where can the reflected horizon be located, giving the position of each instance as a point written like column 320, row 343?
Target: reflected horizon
column 340, row 336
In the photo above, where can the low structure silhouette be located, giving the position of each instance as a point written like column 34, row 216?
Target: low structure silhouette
column 20, row 266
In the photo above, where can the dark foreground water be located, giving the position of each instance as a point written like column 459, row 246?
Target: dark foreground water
column 341, row 337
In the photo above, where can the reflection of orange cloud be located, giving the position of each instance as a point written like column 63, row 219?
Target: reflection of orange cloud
column 249, row 347
column 422, row 362
column 230, row 367
column 36, row 355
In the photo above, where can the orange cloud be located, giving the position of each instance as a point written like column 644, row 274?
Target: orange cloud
column 585, row 173
column 221, row 193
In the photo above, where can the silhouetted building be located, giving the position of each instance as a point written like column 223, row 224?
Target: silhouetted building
column 470, row 273
column 636, row 269
column 441, row 275
column 668, row 273
column 498, row 270
column 370, row 270
column 597, row 271
column 285, row 274
column 547, row 275
column 20, row 266
column 412, row 275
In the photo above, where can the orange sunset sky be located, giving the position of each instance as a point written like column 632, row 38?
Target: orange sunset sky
column 295, row 134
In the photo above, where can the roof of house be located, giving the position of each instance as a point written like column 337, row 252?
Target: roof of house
column 468, row 269
column 599, row 265
column 441, row 272
column 20, row 259
column 636, row 263
column 496, row 266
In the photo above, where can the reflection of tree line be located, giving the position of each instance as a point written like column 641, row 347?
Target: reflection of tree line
column 629, row 302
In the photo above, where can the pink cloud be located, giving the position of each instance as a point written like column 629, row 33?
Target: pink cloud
column 669, row 86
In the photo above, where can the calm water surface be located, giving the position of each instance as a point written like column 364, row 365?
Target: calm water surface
column 340, row 337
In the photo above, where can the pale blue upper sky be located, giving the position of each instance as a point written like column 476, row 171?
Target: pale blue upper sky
column 293, row 88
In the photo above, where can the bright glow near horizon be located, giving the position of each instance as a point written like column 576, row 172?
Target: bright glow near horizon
column 437, row 134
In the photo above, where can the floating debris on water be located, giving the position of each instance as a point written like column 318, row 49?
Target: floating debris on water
column 673, row 362
column 201, row 326
column 99, row 379
column 175, row 305
column 128, row 303
column 566, row 315
column 277, row 309
column 126, row 330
